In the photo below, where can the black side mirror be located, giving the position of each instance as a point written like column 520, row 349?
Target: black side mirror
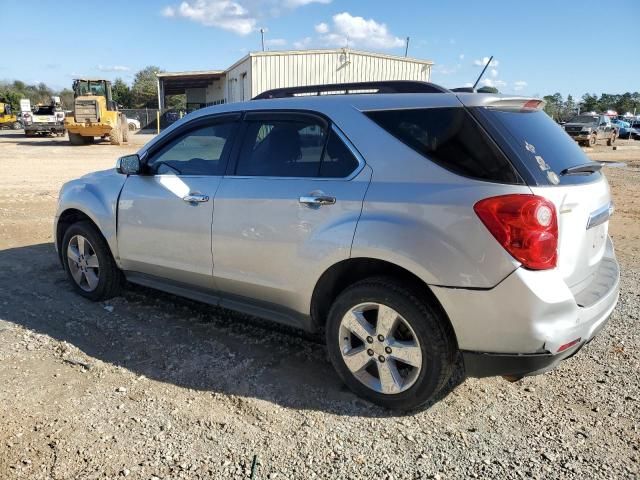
column 129, row 165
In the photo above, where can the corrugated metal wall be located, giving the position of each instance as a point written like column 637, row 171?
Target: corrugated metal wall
column 239, row 81
column 274, row 70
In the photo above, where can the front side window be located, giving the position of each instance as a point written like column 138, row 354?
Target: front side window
column 200, row 151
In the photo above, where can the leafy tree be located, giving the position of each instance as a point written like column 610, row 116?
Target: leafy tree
column 121, row 93
column 590, row 102
column 66, row 97
column 488, row 89
column 554, row 105
column 145, row 87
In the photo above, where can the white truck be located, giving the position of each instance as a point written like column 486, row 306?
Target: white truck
column 43, row 119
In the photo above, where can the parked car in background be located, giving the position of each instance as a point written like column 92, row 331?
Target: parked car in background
column 634, row 130
column 45, row 119
column 133, row 124
column 624, row 128
column 407, row 228
column 589, row 129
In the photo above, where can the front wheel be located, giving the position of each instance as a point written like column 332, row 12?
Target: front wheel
column 593, row 140
column 16, row 125
column 88, row 262
column 387, row 345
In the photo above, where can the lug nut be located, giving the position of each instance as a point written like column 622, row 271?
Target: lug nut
column 370, row 339
column 381, row 358
column 387, row 349
column 370, row 352
column 381, row 338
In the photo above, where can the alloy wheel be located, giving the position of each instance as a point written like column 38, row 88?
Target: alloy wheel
column 83, row 263
column 380, row 348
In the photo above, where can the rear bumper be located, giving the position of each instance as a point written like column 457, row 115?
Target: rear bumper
column 44, row 128
column 518, row 327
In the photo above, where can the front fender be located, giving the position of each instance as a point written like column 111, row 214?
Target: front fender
column 95, row 195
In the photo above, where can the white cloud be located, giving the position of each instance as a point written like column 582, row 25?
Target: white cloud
column 275, row 42
column 322, row 28
column 303, row 44
column 301, row 3
column 493, row 72
column 225, row 14
column 113, row 68
column 488, row 82
column 461, row 56
column 483, row 61
column 358, row 31
column 238, row 16
column 519, row 85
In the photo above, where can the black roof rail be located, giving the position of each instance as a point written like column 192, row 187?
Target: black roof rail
column 464, row 89
column 391, row 86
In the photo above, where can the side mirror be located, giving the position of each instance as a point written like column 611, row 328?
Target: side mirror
column 129, row 165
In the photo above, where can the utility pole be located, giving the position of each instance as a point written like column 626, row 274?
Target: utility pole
column 262, row 37
column 406, row 47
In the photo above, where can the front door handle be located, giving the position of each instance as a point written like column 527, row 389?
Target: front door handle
column 195, row 198
column 318, row 200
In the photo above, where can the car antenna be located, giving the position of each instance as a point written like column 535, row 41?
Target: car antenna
column 482, row 72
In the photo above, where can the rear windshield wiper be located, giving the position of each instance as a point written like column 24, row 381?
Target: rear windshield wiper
column 584, row 169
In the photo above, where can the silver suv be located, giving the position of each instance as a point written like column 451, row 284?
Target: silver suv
column 408, row 222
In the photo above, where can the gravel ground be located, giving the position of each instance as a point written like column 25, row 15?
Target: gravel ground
column 152, row 386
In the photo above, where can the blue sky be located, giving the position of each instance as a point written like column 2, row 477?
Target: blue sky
column 540, row 47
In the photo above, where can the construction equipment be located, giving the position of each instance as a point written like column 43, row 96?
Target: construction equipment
column 42, row 119
column 95, row 114
column 8, row 118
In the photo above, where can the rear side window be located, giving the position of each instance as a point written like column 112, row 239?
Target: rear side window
column 540, row 144
column 450, row 137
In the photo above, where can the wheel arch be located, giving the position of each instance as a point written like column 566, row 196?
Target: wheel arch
column 69, row 217
column 347, row 272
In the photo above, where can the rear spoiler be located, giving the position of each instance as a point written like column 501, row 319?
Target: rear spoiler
column 500, row 102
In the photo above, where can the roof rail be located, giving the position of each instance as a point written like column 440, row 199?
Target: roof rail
column 392, row 86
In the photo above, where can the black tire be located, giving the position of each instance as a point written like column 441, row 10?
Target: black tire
column 132, row 127
column 115, row 137
column 76, row 139
column 433, row 332
column 611, row 140
column 593, row 139
column 109, row 276
column 16, row 125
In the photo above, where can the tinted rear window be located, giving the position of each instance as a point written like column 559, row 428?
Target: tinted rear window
column 450, row 137
column 540, row 144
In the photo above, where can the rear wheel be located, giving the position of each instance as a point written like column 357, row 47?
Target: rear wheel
column 88, row 262
column 387, row 345
column 16, row 125
column 132, row 127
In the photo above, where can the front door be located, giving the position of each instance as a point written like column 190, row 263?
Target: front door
column 288, row 209
column 165, row 215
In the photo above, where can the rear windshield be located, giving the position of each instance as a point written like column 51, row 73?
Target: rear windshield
column 583, row 119
column 452, row 138
column 540, row 144
column 44, row 111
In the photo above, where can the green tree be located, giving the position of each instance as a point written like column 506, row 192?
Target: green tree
column 66, row 97
column 589, row 102
column 569, row 108
column 121, row 93
column 145, row 87
column 554, row 105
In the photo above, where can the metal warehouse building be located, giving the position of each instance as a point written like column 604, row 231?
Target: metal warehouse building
column 260, row 71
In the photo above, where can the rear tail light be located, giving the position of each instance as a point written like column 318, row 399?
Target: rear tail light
column 569, row 345
column 525, row 225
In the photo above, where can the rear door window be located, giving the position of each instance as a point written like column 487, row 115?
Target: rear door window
column 539, row 143
column 452, row 138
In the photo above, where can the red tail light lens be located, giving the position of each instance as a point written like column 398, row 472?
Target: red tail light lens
column 525, row 225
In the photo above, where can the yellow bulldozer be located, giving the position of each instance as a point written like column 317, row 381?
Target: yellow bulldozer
column 7, row 118
column 95, row 114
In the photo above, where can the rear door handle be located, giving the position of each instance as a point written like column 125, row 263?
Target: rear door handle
column 195, row 198
column 318, row 200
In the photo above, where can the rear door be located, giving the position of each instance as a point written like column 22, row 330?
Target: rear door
column 287, row 209
column 583, row 201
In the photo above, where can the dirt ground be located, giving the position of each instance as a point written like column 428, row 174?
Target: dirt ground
column 152, row 386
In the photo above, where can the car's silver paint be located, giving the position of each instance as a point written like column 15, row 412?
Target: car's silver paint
column 270, row 247
column 529, row 312
column 162, row 234
column 95, row 195
column 399, row 208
